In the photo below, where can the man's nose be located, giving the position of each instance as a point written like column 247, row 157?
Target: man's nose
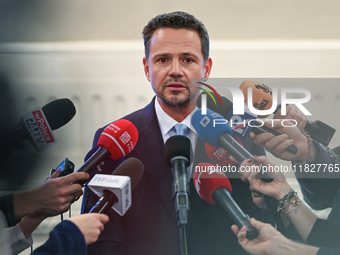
column 175, row 68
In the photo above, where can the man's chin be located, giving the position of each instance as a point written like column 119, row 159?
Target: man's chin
column 176, row 102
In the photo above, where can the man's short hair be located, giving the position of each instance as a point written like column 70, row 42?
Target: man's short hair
column 176, row 20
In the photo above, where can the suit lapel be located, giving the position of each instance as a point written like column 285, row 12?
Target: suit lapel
column 150, row 149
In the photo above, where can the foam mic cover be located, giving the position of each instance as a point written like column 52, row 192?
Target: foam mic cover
column 120, row 137
column 207, row 179
column 262, row 95
column 206, row 128
column 59, row 112
column 224, row 109
column 116, row 141
column 131, row 167
column 35, row 125
column 178, row 145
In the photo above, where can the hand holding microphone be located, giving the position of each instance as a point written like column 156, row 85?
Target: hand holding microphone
column 226, row 111
column 109, row 195
column 50, row 198
column 318, row 130
column 291, row 136
column 37, row 126
column 116, row 141
column 220, row 136
column 90, row 225
column 214, row 187
column 278, row 188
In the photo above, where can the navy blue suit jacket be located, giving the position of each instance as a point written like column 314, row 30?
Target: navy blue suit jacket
column 150, row 227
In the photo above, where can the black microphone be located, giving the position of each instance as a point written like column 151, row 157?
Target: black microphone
column 131, row 167
column 35, row 124
column 178, row 155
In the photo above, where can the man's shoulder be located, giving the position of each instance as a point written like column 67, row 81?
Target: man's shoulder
column 139, row 117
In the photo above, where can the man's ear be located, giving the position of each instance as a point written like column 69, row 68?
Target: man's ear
column 146, row 68
column 208, row 66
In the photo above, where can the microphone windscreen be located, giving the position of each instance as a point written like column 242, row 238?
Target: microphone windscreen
column 262, row 95
column 177, row 145
column 59, row 112
column 207, row 179
column 206, row 127
column 223, row 109
column 120, row 137
column 131, row 167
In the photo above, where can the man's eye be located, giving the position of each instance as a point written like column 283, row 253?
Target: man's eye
column 188, row 60
column 162, row 60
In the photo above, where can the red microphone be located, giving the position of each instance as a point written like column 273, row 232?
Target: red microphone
column 116, row 141
column 214, row 187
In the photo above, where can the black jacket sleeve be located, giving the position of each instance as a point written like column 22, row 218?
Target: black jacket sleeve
column 324, row 233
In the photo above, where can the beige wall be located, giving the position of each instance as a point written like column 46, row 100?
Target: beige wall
column 64, row 20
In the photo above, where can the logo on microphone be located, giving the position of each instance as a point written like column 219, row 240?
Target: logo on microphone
column 125, row 137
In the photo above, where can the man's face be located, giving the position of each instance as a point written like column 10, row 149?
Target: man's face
column 175, row 57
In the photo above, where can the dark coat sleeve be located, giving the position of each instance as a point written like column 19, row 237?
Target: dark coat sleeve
column 319, row 188
column 65, row 239
column 324, row 233
column 6, row 206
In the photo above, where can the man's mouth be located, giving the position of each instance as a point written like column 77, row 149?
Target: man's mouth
column 176, row 86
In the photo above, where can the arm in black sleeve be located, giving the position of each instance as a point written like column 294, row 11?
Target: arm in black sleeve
column 319, row 189
column 324, row 233
column 7, row 208
column 328, row 251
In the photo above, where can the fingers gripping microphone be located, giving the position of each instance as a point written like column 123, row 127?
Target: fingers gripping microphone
column 262, row 100
column 37, row 125
column 116, row 141
column 221, row 136
column 241, row 130
column 214, row 187
column 178, row 155
column 111, row 195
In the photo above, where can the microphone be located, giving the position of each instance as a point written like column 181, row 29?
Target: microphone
column 221, row 136
column 219, row 155
column 212, row 187
column 37, row 125
column 116, row 141
column 262, row 98
column 241, row 130
column 178, row 155
column 117, row 197
column 262, row 95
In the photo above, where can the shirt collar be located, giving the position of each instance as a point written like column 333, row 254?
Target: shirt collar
column 166, row 122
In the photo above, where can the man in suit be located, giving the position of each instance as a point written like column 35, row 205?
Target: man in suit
column 176, row 50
